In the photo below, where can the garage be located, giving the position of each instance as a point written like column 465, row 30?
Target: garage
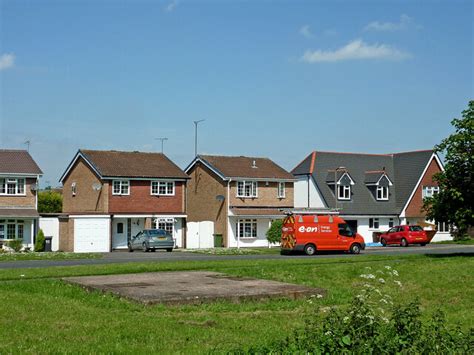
column 92, row 234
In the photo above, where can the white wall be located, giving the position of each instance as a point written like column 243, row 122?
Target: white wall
column 50, row 227
column 178, row 232
column 200, row 235
column 301, row 194
column 263, row 224
column 363, row 226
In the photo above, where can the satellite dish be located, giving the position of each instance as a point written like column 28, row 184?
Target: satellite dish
column 34, row 187
column 96, row 186
column 220, row 198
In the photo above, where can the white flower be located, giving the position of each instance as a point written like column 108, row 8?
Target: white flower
column 395, row 272
column 367, row 276
column 398, row 283
column 22, row 275
column 383, row 300
column 385, row 319
column 319, row 296
column 328, row 333
column 388, row 267
column 382, row 281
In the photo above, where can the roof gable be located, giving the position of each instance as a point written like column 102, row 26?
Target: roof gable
column 18, row 162
column 243, row 167
column 118, row 164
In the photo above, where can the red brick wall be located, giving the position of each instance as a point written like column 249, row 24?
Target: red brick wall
column 141, row 201
column 414, row 207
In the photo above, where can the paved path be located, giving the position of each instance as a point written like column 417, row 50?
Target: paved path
column 124, row 257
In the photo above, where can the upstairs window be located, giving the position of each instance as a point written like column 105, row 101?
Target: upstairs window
column 430, row 191
column 165, row 188
column 281, row 190
column 246, row 189
column 12, row 186
column 382, row 193
column 121, row 187
column 343, row 192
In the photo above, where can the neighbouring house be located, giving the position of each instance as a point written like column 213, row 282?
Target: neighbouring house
column 372, row 192
column 109, row 196
column 239, row 195
column 19, row 176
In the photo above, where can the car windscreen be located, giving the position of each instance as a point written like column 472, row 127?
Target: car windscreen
column 416, row 229
column 158, row 233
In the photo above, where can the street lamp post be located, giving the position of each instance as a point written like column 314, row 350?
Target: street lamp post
column 196, row 136
column 162, row 139
column 335, row 183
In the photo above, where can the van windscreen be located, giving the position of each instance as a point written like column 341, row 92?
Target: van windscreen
column 345, row 230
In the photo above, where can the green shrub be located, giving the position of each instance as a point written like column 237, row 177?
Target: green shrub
column 39, row 242
column 16, row 244
column 274, row 232
column 373, row 324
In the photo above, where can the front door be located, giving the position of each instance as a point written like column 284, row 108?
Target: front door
column 119, row 233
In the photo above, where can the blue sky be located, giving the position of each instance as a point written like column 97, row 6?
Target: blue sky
column 271, row 78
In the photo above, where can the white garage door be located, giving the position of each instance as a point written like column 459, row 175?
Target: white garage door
column 91, row 235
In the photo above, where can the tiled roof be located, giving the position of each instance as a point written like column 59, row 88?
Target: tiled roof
column 403, row 170
column 111, row 163
column 18, row 162
column 246, row 167
column 18, row 212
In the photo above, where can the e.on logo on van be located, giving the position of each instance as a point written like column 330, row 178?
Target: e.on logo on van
column 312, row 232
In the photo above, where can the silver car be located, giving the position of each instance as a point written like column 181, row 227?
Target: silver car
column 151, row 239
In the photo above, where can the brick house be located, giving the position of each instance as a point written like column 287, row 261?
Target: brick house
column 373, row 192
column 240, row 195
column 19, row 176
column 109, row 196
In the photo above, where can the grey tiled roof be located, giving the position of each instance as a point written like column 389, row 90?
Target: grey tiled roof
column 403, row 170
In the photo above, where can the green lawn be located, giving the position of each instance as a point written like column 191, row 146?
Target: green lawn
column 5, row 256
column 462, row 242
column 42, row 314
column 236, row 251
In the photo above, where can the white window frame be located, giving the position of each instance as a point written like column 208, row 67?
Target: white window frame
column 18, row 225
column 158, row 184
column 19, row 186
column 346, row 192
column 430, row 191
column 375, row 223
column 242, row 225
column 383, row 190
column 165, row 224
column 241, row 188
column 122, row 184
column 281, row 189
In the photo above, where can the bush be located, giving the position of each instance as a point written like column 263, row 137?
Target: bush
column 39, row 242
column 16, row 244
column 274, row 232
column 373, row 324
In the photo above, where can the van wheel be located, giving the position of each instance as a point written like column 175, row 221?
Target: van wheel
column 384, row 242
column 404, row 242
column 355, row 248
column 310, row 249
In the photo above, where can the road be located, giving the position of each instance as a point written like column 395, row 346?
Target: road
column 124, row 257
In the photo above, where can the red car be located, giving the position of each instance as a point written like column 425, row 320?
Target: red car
column 404, row 235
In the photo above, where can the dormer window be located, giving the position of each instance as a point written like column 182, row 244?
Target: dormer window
column 343, row 192
column 121, row 187
column 247, row 189
column 382, row 193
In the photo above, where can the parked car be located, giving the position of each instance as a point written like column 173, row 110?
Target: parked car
column 404, row 235
column 313, row 232
column 151, row 239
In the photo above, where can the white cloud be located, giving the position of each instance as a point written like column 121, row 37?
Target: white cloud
column 306, row 32
column 171, row 6
column 404, row 23
column 356, row 49
column 7, row 61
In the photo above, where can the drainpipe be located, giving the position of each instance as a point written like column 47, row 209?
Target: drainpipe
column 309, row 192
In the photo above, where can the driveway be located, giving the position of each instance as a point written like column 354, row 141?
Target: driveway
column 125, row 257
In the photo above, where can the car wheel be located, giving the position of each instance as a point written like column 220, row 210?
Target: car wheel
column 384, row 242
column 169, row 250
column 144, row 247
column 355, row 248
column 423, row 244
column 153, row 250
column 310, row 249
column 404, row 242
column 130, row 249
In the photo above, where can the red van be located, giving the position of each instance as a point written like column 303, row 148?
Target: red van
column 312, row 232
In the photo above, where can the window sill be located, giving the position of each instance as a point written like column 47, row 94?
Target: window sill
column 252, row 197
column 247, row 238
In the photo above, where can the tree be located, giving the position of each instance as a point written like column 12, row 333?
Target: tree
column 453, row 203
column 274, row 232
column 39, row 242
column 50, row 202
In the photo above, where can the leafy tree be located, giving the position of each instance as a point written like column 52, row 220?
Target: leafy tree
column 50, row 202
column 39, row 242
column 453, row 204
column 274, row 232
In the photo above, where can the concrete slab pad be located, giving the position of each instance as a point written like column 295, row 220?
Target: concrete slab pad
column 191, row 287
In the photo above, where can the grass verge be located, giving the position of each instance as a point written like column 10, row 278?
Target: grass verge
column 42, row 314
column 47, row 256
